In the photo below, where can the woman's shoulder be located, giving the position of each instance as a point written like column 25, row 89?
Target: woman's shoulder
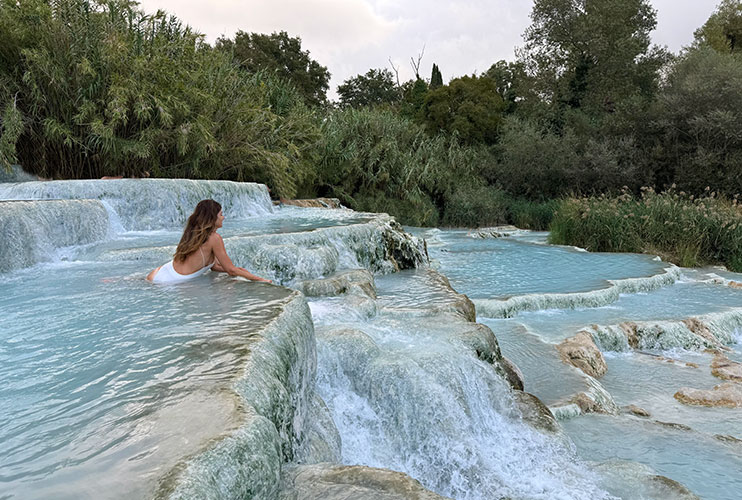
column 214, row 239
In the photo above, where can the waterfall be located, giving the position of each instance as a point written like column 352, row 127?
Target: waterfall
column 418, row 388
column 148, row 204
column 508, row 308
column 33, row 231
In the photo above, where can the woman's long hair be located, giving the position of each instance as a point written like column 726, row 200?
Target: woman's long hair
column 199, row 227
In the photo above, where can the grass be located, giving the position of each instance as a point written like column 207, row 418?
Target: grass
column 689, row 231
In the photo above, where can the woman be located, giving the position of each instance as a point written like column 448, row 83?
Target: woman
column 201, row 248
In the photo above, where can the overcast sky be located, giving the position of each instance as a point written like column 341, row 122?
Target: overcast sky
column 351, row 36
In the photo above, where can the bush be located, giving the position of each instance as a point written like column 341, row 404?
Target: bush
column 688, row 231
column 476, row 206
column 527, row 214
column 376, row 158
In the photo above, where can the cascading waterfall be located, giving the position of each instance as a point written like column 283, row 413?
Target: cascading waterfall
column 420, row 392
column 32, row 232
column 507, row 308
column 147, row 204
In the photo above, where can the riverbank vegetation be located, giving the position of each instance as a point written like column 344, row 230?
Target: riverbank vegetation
column 587, row 108
column 685, row 229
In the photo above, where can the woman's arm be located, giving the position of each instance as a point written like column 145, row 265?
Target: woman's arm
column 224, row 263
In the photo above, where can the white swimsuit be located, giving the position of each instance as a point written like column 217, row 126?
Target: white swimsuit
column 168, row 274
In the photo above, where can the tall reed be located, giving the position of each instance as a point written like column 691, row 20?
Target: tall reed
column 688, row 230
column 91, row 88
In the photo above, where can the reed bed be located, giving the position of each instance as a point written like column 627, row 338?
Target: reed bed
column 687, row 230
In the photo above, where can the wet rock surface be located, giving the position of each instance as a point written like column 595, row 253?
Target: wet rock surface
column 645, row 482
column 359, row 281
column 727, row 395
column 346, row 482
column 311, row 203
column 536, row 413
column 726, row 369
column 581, row 352
column 512, row 374
column 636, row 410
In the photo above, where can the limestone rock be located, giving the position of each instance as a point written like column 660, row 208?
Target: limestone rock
column 699, row 328
column 726, row 369
column 512, row 374
column 634, row 480
column 632, row 337
column 344, row 482
column 673, row 425
column 536, row 413
column 636, row 410
column 312, row 203
column 595, row 400
column 727, row 438
column 358, row 281
column 728, row 395
column 581, row 352
column 664, row 485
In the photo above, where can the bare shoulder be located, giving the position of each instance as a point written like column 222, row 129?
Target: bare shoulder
column 215, row 240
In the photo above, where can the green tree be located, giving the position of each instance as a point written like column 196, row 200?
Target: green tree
column 511, row 82
column 281, row 54
column 436, row 78
column 377, row 86
column 723, row 30
column 699, row 115
column 591, row 54
column 469, row 106
column 413, row 97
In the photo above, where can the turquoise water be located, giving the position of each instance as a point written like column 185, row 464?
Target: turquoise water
column 96, row 363
column 695, row 457
column 502, row 267
column 109, row 382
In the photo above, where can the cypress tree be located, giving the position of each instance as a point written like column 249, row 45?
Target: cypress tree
column 436, row 79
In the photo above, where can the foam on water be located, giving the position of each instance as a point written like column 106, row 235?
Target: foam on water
column 412, row 393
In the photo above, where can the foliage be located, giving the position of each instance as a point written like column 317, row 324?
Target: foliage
column 377, row 86
column 591, row 54
column 413, row 97
column 281, row 54
column 511, row 82
column 373, row 158
column 469, row 107
column 527, row 214
column 689, row 231
column 699, row 116
column 103, row 89
column 534, row 163
column 476, row 206
column 436, row 78
column 723, row 30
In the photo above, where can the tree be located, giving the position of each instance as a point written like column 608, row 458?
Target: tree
column 101, row 88
column 510, row 80
column 413, row 97
column 590, row 54
column 700, row 112
column 723, row 30
column 280, row 54
column 469, row 106
column 436, row 78
column 377, row 86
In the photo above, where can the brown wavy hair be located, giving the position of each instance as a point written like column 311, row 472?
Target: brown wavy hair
column 199, row 227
